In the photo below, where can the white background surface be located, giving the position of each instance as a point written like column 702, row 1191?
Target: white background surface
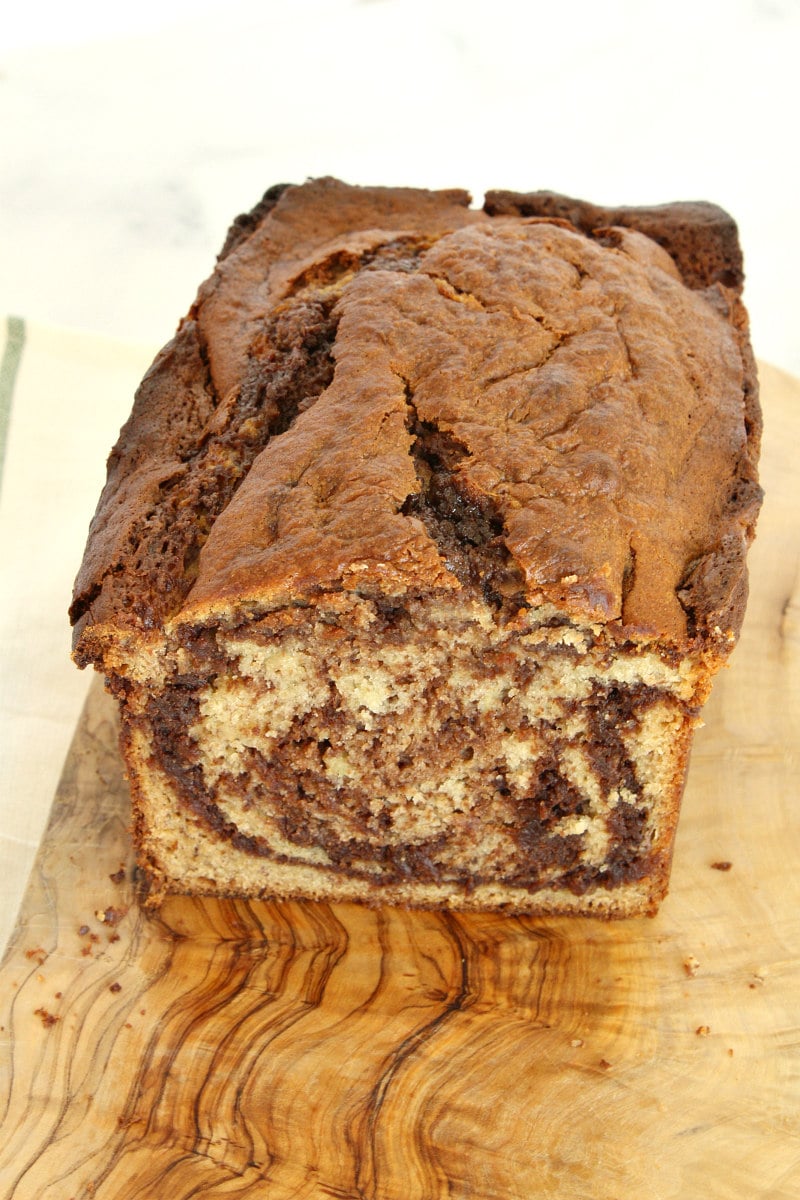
column 131, row 135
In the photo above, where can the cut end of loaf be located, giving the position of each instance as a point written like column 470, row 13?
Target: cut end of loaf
column 423, row 753
column 421, row 546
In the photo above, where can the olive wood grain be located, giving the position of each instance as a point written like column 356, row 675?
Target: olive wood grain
column 233, row 1049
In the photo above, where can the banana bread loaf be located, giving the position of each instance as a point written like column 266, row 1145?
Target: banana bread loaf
column 421, row 547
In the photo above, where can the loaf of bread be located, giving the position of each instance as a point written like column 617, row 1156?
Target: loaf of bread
column 421, row 547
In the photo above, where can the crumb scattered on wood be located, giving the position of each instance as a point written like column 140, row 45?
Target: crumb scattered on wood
column 703, row 1030
column 48, row 1019
column 118, row 876
column 722, row 865
column 82, row 932
column 94, row 939
column 37, row 952
column 110, row 915
column 691, row 965
column 115, row 987
column 605, row 1064
column 576, row 1043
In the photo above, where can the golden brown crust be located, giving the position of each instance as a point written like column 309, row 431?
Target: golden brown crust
column 703, row 241
column 701, row 238
column 605, row 410
column 321, row 221
column 173, row 406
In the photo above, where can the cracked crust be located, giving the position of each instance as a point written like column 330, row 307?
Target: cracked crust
column 447, row 487
column 530, row 343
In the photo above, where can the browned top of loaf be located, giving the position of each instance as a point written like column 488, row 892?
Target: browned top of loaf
column 592, row 386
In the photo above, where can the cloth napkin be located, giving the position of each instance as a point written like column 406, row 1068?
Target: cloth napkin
column 63, row 397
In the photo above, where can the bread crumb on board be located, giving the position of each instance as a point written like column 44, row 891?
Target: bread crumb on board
column 48, row 1019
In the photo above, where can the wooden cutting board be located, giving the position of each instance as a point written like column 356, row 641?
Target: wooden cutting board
column 227, row 1049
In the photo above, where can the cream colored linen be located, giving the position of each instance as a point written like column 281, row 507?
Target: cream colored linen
column 71, row 392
